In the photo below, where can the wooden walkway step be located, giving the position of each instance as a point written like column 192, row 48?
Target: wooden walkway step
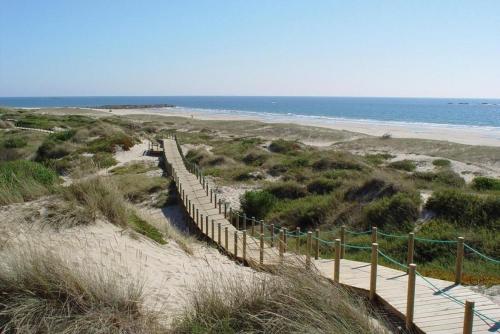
column 434, row 312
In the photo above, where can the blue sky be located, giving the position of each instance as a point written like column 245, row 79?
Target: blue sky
column 241, row 47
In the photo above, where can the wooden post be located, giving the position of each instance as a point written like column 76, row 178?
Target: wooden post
column 197, row 218
column 253, row 226
column 237, row 220
column 468, row 317
column 189, row 207
column 342, row 241
column 297, row 239
column 236, row 244
column 244, row 221
column 231, row 216
column 261, row 227
column 272, row 235
column 201, row 224
column 373, row 271
column 281, row 240
column 226, row 237
column 244, row 245
column 374, row 234
column 285, row 239
column 220, row 206
column 411, row 248
column 336, row 269
column 213, row 230
column 261, row 260
column 459, row 261
column 211, row 195
column 410, row 297
column 308, row 247
column 225, row 209
column 206, row 225
column 215, row 201
column 316, row 254
column 219, row 231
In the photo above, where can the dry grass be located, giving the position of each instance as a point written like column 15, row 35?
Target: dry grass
column 291, row 301
column 42, row 293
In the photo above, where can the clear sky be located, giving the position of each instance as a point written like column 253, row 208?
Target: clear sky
column 445, row 48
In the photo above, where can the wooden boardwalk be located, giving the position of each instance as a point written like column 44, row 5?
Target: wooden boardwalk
column 434, row 311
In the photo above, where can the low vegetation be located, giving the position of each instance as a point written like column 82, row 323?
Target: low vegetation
column 291, row 301
column 42, row 293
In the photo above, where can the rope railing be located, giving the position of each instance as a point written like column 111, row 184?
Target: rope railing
column 280, row 240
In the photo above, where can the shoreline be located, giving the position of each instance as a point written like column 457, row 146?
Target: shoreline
column 468, row 135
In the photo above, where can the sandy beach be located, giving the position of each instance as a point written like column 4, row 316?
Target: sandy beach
column 469, row 135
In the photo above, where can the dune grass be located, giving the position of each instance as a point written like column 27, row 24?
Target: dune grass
column 292, row 300
column 43, row 293
column 23, row 180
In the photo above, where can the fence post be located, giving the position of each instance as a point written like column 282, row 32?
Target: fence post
column 189, row 207
column 226, row 238
column 237, row 220
column 411, row 248
column 297, row 245
column 206, row 225
column 261, row 227
column 261, row 259
column 213, row 230
column 220, row 206
column 342, row 241
column 374, row 234
column 231, row 216
column 197, row 217
column 225, row 209
column 219, row 231
column 336, row 269
column 459, row 261
column 215, row 200
column 236, row 244
column 468, row 317
column 253, row 226
column 316, row 254
column 244, row 245
column 211, row 195
column 373, row 271
column 285, row 239
column 410, row 297
column 308, row 251
column 280, row 244
column 201, row 223
column 244, row 221
column 272, row 235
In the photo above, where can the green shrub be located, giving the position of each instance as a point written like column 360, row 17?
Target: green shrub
column 104, row 160
column 283, row 146
column 256, row 158
column 23, row 180
column 51, row 149
column 277, row 169
column 196, row 156
column 15, row 142
column 398, row 212
column 372, row 189
column 306, row 212
column 143, row 227
column 286, row 190
column 63, row 135
column 441, row 163
column 378, row 158
column 322, row 186
column 257, row 203
column 465, row 209
column 445, row 177
column 406, row 165
column 485, row 183
column 109, row 143
column 341, row 162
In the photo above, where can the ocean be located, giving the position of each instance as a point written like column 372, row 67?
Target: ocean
column 438, row 111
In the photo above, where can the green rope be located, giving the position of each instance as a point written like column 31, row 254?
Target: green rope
column 392, row 235
column 437, row 241
column 481, row 254
column 390, row 259
column 358, row 233
column 357, row 247
column 324, row 241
